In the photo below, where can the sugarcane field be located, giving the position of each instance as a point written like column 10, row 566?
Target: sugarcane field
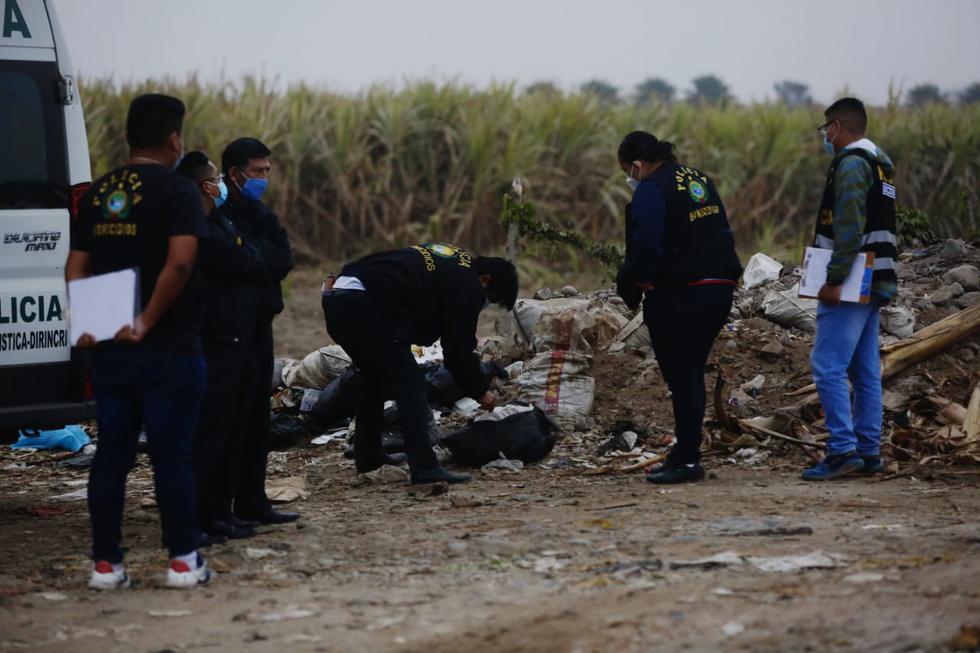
column 499, row 327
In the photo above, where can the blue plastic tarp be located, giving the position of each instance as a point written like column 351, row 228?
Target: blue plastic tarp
column 71, row 438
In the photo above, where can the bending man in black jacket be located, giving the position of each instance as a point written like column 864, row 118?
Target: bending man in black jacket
column 383, row 304
column 246, row 166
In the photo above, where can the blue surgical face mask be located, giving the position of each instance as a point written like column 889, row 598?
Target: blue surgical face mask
column 828, row 146
column 254, row 189
column 222, row 194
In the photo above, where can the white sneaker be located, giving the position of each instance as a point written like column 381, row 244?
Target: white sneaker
column 181, row 575
column 104, row 577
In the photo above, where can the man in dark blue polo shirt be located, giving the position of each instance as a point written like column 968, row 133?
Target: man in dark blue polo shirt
column 143, row 215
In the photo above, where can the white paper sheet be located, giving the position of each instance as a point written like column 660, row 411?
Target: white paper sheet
column 101, row 305
column 856, row 285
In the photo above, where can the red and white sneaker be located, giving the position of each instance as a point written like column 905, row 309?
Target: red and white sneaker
column 107, row 577
column 182, row 574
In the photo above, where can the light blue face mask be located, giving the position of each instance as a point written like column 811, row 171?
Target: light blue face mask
column 254, row 189
column 222, row 194
column 828, row 146
column 632, row 183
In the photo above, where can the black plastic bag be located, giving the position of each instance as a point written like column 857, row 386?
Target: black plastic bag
column 525, row 436
column 289, row 430
column 338, row 401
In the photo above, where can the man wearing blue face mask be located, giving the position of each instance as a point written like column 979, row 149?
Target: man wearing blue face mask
column 246, row 166
column 857, row 214
column 228, row 267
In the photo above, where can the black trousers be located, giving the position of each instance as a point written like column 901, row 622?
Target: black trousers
column 388, row 371
column 217, row 450
column 684, row 323
column 250, row 497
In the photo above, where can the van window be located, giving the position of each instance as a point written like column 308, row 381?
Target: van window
column 33, row 168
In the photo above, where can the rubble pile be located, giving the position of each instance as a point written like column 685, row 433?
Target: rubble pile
column 584, row 360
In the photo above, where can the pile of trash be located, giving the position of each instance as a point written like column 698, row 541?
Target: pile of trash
column 932, row 412
column 577, row 369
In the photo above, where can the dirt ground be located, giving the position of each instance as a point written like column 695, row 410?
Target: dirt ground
column 529, row 561
column 545, row 559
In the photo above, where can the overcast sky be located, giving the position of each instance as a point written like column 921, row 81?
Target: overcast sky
column 864, row 45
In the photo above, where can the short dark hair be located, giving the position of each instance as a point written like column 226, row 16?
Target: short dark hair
column 194, row 166
column 643, row 146
column 850, row 111
column 152, row 119
column 503, row 278
column 240, row 151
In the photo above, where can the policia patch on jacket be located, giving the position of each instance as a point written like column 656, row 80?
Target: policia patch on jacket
column 451, row 252
column 695, row 184
column 117, row 196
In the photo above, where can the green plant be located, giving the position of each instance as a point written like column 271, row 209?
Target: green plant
column 913, row 227
column 523, row 215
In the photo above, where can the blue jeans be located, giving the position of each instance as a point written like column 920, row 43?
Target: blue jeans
column 137, row 386
column 846, row 347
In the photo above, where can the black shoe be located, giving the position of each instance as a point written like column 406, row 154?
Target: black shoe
column 438, row 475
column 238, row 522
column 872, row 465
column 670, row 475
column 204, row 540
column 395, row 459
column 271, row 516
column 228, row 531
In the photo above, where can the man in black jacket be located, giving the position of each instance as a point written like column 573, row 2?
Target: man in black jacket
column 246, row 166
column 384, row 303
column 228, row 268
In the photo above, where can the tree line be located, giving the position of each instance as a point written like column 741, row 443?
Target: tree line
column 711, row 90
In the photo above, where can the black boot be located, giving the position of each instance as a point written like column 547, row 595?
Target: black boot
column 438, row 475
column 374, row 463
column 676, row 473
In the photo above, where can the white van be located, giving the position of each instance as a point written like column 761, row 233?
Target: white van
column 44, row 171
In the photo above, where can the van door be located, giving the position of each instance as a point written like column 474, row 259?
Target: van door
column 34, row 232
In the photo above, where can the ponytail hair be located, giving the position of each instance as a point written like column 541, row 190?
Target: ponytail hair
column 643, row 146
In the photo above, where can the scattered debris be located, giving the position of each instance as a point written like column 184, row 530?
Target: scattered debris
column 384, row 475
column 80, row 494
column 725, row 559
column 759, row 270
column 732, row 628
column 747, row 526
column 815, row 560
column 167, row 614
column 288, row 614
column 256, row 553
column 968, row 639
column 504, row 464
column 71, row 438
column 285, row 490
